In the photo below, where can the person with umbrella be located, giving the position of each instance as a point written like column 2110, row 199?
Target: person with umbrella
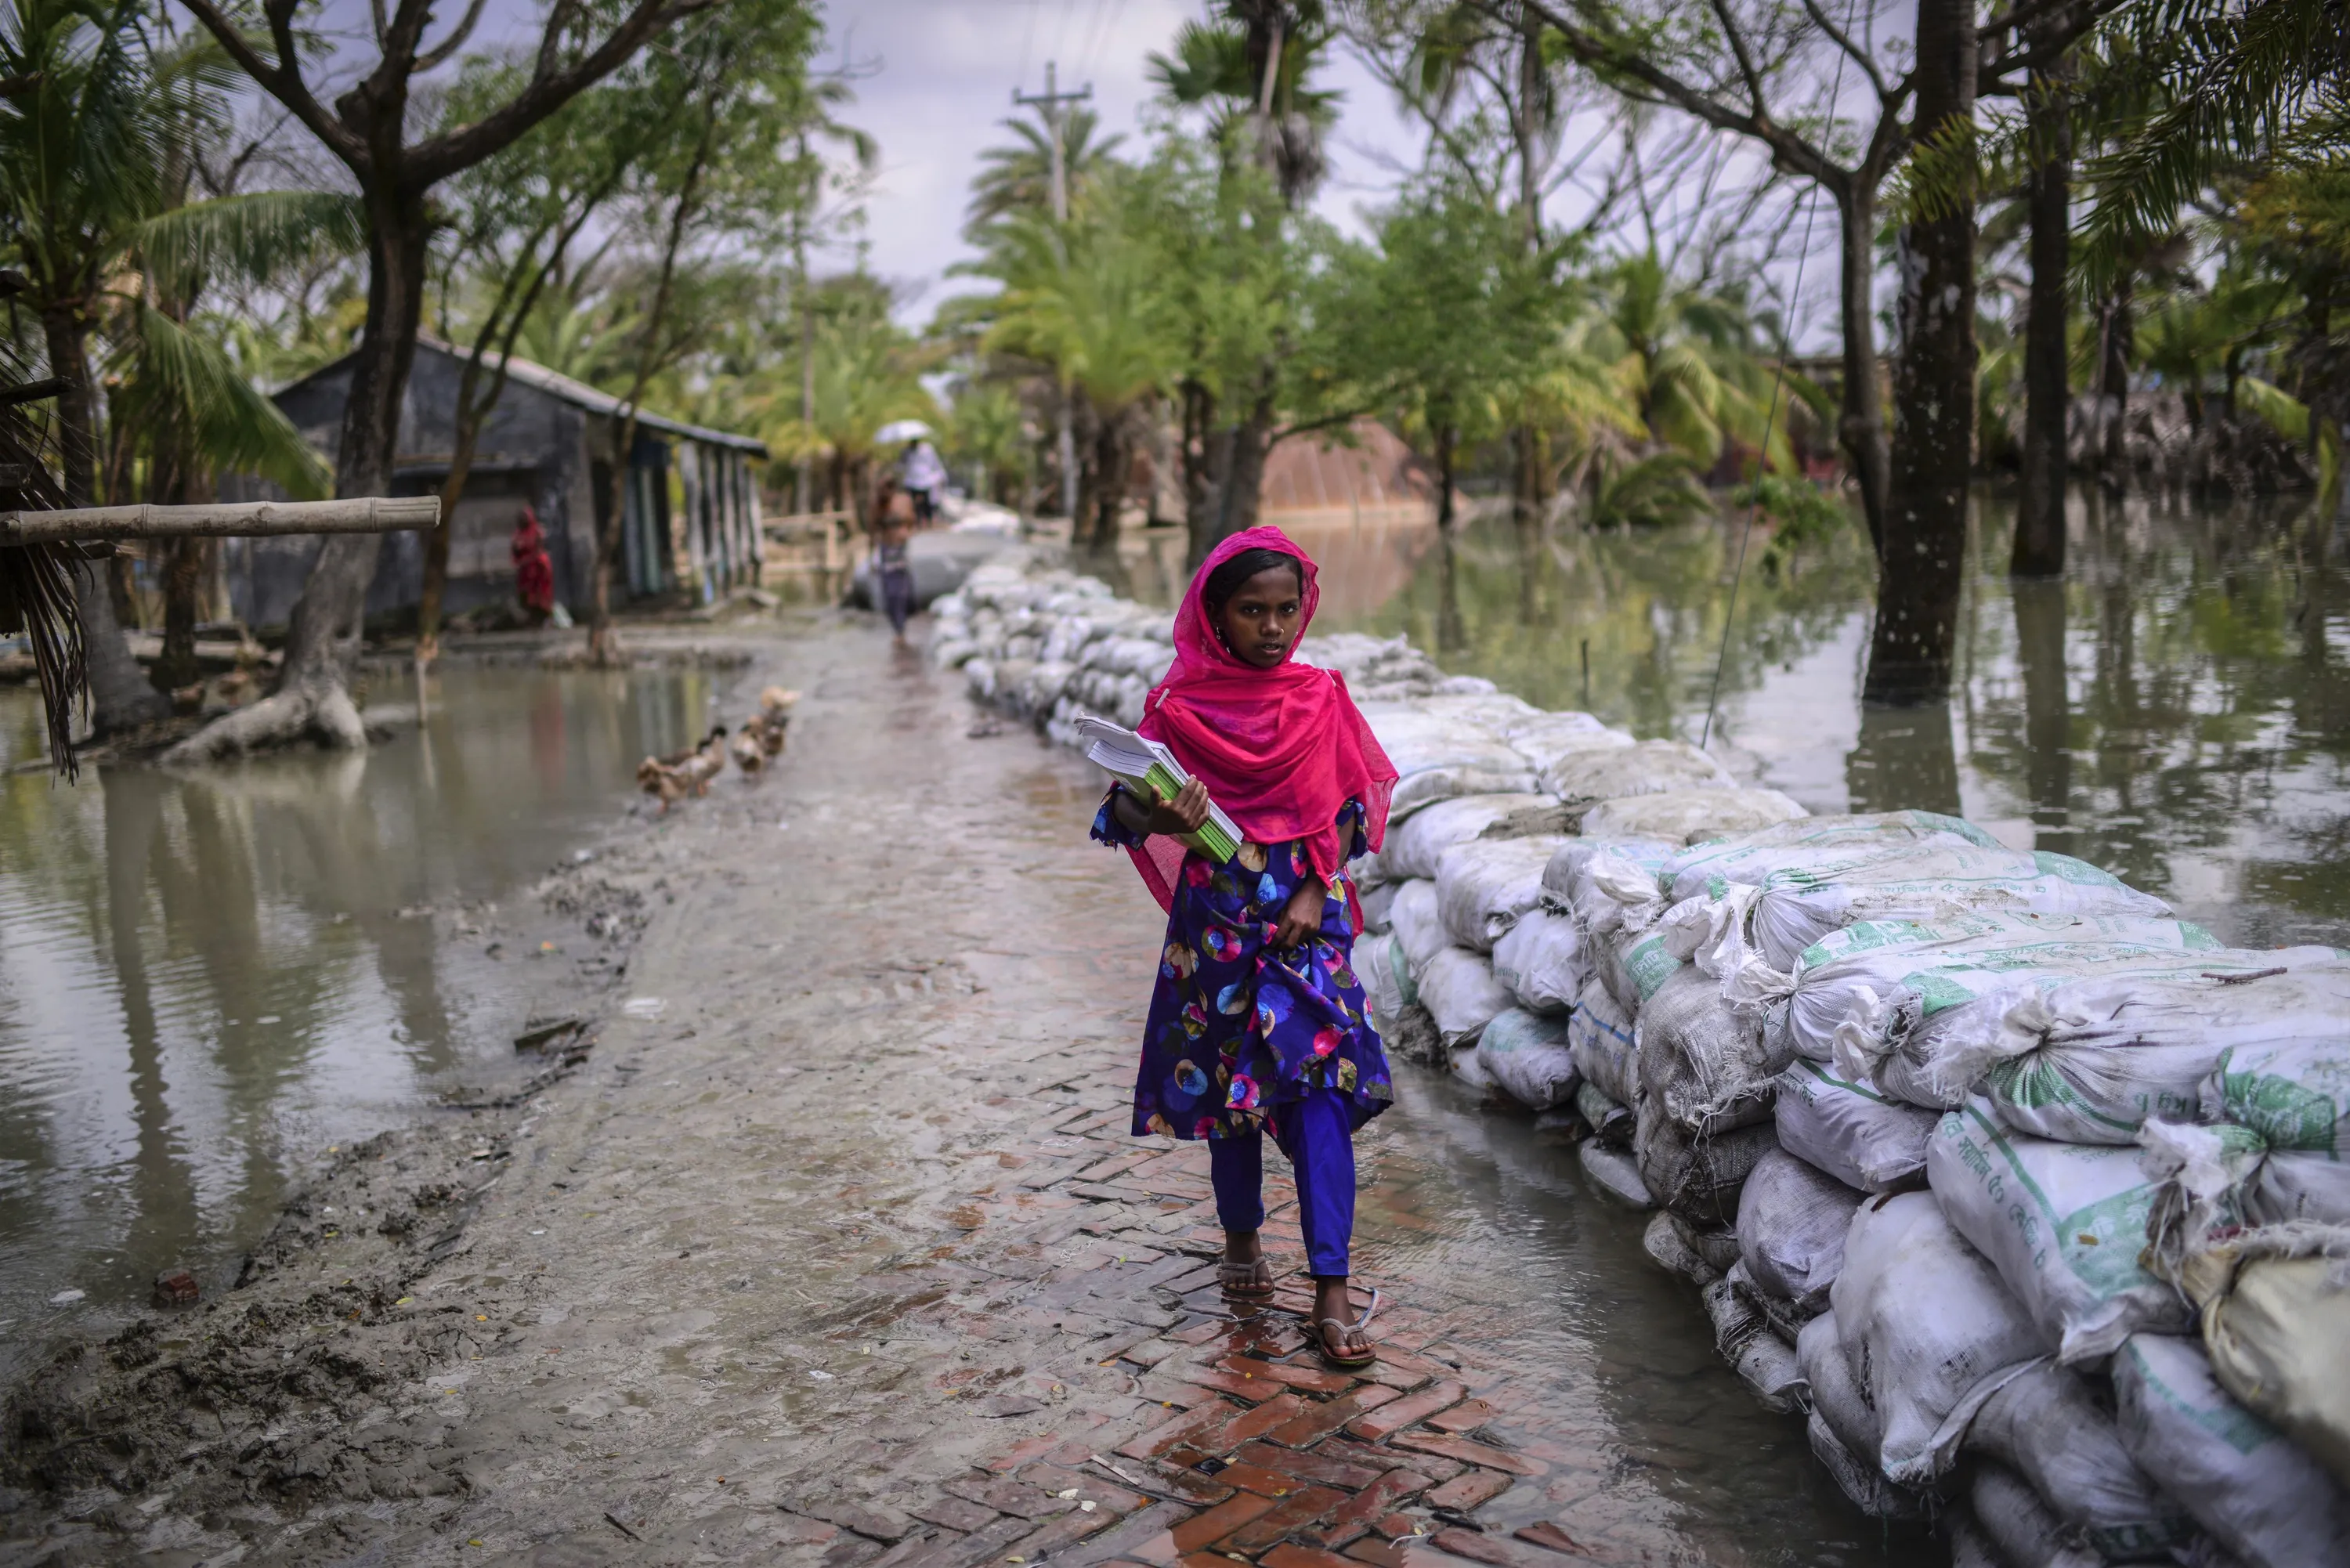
column 921, row 470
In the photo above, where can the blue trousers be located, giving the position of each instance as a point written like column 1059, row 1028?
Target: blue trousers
column 1317, row 1134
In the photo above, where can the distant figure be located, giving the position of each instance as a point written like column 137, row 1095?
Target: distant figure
column 924, row 476
column 893, row 565
column 533, row 568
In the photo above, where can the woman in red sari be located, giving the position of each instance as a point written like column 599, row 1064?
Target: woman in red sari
column 533, row 568
column 1258, row 1024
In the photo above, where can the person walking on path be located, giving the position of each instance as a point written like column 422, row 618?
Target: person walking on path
column 1257, row 1022
column 533, row 568
column 893, row 565
column 924, row 475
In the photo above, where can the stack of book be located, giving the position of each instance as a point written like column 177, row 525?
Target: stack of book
column 1152, row 772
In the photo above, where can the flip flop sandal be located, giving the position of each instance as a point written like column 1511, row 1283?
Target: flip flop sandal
column 1246, row 1281
column 1347, row 1361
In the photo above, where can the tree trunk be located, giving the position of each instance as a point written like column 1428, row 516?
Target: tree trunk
column 119, row 697
column 310, row 697
column 1448, row 436
column 1861, row 421
column 2047, row 710
column 1110, row 464
column 183, row 581
column 2117, row 328
column 2047, row 388
column 1920, row 565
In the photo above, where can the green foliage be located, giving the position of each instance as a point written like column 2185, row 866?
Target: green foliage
column 1652, row 492
column 1687, row 360
column 1019, row 178
column 1801, row 514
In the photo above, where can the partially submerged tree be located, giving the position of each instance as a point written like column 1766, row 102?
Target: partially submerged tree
column 368, row 128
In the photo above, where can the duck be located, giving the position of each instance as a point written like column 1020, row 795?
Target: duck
column 687, row 772
column 750, row 753
column 769, row 723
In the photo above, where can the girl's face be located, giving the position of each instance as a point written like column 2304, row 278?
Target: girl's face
column 1259, row 623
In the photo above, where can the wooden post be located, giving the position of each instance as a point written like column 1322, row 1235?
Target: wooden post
column 365, row 514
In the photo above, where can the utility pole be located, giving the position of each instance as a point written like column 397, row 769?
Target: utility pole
column 807, row 302
column 1050, row 100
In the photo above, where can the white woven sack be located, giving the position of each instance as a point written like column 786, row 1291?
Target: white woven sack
column 1541, row 959
column 1791, row 1220
column 2246, row 1482
column 2051, row 1431
column 1815, row 844
column 1527, row 1055
column 1599, row 1036
column 1607, row 884
column 2062, row 1222
column 1690, row 816
column 1460, row 992
column 1851, row 1131
column 1419, row 928
column 1587, row 777
column 1415, row 846
column 1483, row 886
column 1930, row 1331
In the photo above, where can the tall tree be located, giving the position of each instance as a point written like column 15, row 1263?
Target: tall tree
column 367, row 129
column 2039, row 548
column 724, row 173
column 1923, row 548
column 510, row 223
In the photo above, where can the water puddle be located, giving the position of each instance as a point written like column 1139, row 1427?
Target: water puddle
column 208, row 979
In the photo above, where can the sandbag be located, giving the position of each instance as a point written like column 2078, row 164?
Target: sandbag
column 1702, row 1061
column 1850, row 1130
column 2048, row 1426
column 1546, row 740
column 1927, row 1008
column 1764, row 1362
column 1698, row 1176
column 2022, row 1528
column 1541, row 959
column 1527, row 1055
column 1411, row 1036
column 2063, row 1223
column 2250, row 1486
column 1633, row 966
column 1467, row 1063
column 1930, row 1331
column 1376, row 898
column 1614, row 1173
column 1817, row 845
column 1587, row 777
column 1610, row 1120
column 1690, row 816
column 1800, row 905
column 1440, row 756
column 1418, row 844
column 2293, row 1085
column 1662, row 1242
column 1844, row 1431
column 1419, row 929
column 1483, row 886
column 1460, row 992
column 1717, row 1245
column 1599, row 1035
column 2278, row 1340
column 1791, row 1220
column 2293, row 1184
column 1607, row 884
column 1970, row 1547
column 1386, row 983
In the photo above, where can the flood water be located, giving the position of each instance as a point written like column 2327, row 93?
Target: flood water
column 208, row 981
column 2177, row 710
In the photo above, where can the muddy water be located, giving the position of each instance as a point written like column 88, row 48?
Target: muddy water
column 2177, row 710
column 206, row 982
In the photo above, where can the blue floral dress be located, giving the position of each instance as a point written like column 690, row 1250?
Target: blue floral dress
column 1238, row 1029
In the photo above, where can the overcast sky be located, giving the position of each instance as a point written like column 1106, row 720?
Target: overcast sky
column 946, row 72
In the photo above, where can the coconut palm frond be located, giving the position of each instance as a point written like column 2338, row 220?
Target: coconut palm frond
column 2280, row 410
column 38, row 592
column 247, row 238
column 178, row 374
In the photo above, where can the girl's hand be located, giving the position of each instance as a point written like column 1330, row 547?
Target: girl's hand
column 1302, row 917
column 1184, row 813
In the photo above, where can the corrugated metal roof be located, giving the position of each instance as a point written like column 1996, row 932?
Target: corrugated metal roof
column 555, row 384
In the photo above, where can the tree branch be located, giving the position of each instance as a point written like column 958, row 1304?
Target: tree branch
column 283, row 80
column 548, row 90
column 1860, row 57
column 1754, row 79
column 434, row 57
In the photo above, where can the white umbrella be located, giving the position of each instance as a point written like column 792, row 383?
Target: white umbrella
column 902, row 430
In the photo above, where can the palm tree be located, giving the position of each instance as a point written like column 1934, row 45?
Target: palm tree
column 1084, row 299
column 1019, row 178
column 1683, row 359
column 1248, row 68
column 96, row 226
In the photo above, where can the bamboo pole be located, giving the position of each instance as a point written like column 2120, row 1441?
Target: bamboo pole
column 365, row 514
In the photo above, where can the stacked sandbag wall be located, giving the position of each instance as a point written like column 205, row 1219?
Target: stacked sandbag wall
column 2032, row 1201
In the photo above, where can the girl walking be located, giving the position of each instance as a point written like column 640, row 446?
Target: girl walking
column 1257, row 1022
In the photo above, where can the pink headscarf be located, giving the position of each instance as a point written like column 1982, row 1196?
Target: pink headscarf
column 1281, row 750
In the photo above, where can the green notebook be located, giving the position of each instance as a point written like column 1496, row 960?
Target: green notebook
column 1152, row 772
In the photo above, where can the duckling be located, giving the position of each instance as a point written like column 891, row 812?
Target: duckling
column 750, row 752
column 684, row 772
column 774, row 717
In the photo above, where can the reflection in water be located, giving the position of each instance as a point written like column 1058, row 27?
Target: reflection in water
column 2178, row 709
column 207, row 978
